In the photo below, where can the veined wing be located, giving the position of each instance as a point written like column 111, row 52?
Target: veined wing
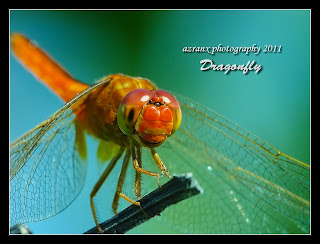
column 249, row 186
column 47, row 170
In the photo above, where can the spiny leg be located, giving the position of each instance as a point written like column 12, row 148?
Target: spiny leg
column 159, row 163
column 136, row 165
column 99, row 183
column 122, row 176
column 137, row 183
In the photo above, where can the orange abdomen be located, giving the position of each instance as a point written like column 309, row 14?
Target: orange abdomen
column 45, row 68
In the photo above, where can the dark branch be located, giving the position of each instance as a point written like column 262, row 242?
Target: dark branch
column 20, row 229
column 174, row 191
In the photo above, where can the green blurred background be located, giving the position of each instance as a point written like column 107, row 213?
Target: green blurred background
column 274, row 104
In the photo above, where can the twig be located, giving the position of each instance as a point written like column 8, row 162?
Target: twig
column 174, row 191
column 20, row 229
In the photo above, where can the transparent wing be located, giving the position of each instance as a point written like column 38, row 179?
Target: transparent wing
column 249, row 186
column 47, row 171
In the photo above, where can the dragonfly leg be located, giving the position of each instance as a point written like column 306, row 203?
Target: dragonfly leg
column 122, row 176
column 138, row 168
column 99, row 183
column 137, row 183
column 159, row 162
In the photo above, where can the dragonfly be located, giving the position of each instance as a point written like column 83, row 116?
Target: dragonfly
column 248, row 185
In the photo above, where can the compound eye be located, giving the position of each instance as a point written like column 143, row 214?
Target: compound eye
column 130, row 108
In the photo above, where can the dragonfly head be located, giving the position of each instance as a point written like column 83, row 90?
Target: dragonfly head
column 149, row 116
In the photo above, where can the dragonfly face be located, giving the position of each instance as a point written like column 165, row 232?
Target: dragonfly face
column 149, row 116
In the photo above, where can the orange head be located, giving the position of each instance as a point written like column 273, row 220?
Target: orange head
column 149, row 116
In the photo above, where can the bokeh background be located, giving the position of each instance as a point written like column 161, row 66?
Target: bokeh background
column 274, row 104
